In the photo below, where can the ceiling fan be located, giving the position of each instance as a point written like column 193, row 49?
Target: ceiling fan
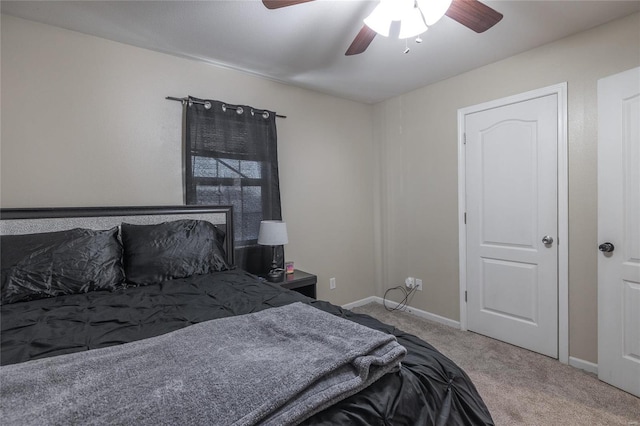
column 471, row 13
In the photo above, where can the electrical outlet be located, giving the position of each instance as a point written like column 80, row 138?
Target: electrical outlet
column 410, row 282
column 419, row 284
column 332, row 283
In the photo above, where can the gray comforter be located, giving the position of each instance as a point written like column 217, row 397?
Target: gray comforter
column 277, row 366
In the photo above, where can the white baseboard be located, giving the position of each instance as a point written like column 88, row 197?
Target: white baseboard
column 583, row 365
column 414, row 311
column 361, row 302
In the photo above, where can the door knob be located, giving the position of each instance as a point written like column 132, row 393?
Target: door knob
column 547, row 240
column 606, row 247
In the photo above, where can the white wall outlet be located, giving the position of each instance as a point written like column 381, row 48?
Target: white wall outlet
column 410, row 282
column 332, row 283
column 419, row 284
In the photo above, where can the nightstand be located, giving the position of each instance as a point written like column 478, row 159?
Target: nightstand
column 300, row 281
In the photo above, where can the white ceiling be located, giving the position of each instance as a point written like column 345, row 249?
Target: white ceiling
column 304, row 45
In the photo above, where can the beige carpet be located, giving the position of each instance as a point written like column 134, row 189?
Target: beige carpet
column 521, row 387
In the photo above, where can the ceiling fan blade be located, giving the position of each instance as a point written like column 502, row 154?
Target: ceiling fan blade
column 474, row 15
column 361, row 42
column 277, row 4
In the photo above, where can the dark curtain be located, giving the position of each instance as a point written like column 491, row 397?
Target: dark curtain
column 231, row 159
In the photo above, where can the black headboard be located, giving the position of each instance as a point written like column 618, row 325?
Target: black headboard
column 34, row 220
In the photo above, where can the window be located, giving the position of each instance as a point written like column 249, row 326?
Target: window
column 225, row 181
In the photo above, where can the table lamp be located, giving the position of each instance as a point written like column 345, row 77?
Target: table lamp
column 273, row 233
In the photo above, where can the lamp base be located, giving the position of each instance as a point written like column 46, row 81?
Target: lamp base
column 275, row 275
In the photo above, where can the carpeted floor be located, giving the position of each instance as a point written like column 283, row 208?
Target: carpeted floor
column 521, row 387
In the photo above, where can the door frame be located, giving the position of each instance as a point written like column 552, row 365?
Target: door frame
column 563, row 205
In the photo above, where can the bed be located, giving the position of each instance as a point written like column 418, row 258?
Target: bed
column 138, row 316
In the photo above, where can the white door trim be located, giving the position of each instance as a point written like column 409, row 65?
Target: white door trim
column 563, row 206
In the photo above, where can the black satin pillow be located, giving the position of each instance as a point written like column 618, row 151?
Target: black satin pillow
column 35, row 266
column 177, row 249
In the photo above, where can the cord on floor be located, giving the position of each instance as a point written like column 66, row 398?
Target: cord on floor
column 405, row 300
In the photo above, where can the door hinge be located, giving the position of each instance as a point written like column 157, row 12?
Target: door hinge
column 465, row 296
column 465, row 218
column 464, row 138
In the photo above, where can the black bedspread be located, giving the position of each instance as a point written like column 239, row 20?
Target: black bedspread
column 429, row 389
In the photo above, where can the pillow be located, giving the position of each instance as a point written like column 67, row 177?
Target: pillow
column 177, row 249
column 35, row 266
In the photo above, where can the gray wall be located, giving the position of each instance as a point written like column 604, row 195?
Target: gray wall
column 85, row 123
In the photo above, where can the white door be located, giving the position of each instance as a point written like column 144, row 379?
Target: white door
column 619, row 225
column 512, row 223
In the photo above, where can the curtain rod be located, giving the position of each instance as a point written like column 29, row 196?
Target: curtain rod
column 185, row 100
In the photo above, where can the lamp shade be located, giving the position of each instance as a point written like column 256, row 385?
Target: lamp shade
column 379, row 20
column 273, row 233
column 385, row 13
column 412, row 24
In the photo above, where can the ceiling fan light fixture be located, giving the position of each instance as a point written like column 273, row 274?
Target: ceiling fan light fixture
column 473, row 14
column 412, row 24
column 386, row 12
column 379, row 20
column 433, row 10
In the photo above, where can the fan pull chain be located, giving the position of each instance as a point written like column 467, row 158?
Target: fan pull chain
column 406, row 45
